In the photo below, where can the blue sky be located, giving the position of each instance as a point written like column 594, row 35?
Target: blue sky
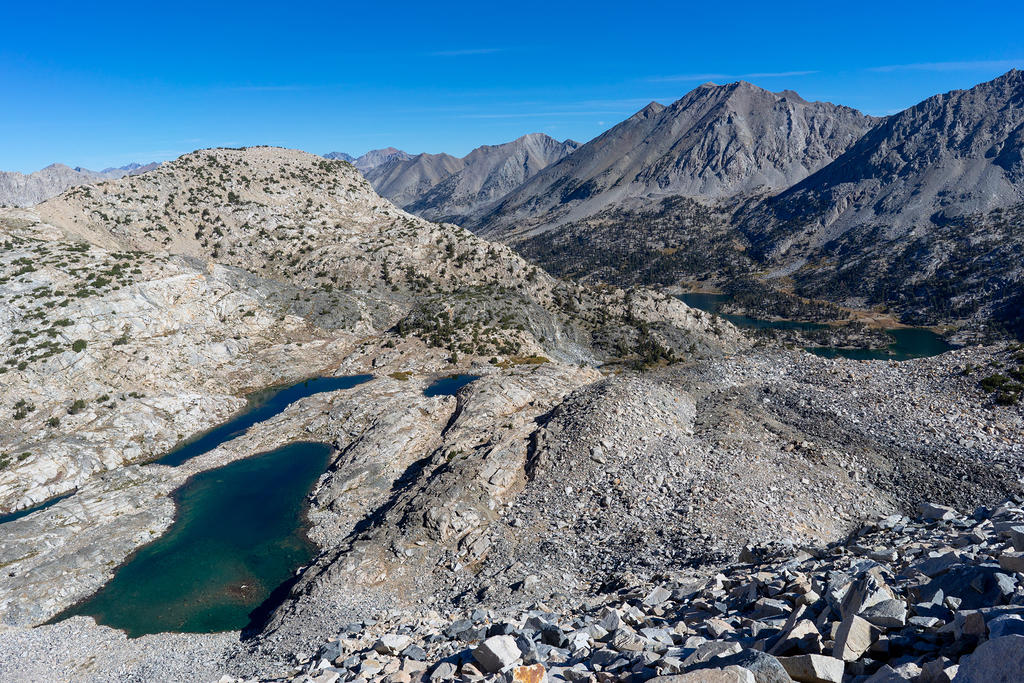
column 104, row 84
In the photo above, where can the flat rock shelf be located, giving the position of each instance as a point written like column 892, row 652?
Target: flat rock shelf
column 238, row 535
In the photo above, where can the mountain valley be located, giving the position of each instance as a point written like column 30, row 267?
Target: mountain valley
column 542, row 466
column 914, row 215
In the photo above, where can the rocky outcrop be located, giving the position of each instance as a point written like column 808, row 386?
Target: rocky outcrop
column 110, row 358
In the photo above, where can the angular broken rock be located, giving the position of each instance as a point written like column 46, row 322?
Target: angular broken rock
column 709, row 650
column 626, row 641
column 530, row 674
column 445, row 671
column 933, row 511
column 814, row 668
column 392, row 644
column 1000, row 660
column 867, row 591
column 766, row 669
column 803, row 637
column 730, row 674
column 887, row 614
column 1012, row 562
column 657, row 596
column 1006, row 625
column 1017, row 537
column 853, row 639
column 497, row 653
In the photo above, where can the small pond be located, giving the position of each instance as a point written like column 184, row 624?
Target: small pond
column 449, row 386
column 239, row 533
column 11, row 516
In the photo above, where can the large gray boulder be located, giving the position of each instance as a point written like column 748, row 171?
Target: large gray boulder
column 766, row 668
column 497, row 653
column 1000, row 660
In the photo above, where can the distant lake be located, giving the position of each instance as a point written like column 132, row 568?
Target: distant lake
column 910, row 342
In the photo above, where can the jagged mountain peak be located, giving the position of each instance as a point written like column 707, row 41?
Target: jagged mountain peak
column 652, row 109
column 716, row 141
column 925, row 194
column 377, row 157
column 957, row 152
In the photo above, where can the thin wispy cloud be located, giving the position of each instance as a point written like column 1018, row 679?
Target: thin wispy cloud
column 779, row 74
column 953, row 66
column 467, row 53
column 536, row 114
column 267, row 88
column 689, row 77
column 727, row 77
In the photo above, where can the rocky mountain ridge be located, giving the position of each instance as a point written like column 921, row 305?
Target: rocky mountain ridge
column 473, row 183
column 370, row 160
column 718, row 141
column 922, row 213
column 916, row 213
column 18, row 189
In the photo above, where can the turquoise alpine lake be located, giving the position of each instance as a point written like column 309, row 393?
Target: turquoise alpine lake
column 449, row 386
column 263, row 405
column 909, row 342
column 239, row 534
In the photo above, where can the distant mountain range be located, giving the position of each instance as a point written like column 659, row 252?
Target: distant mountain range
column 447, row 188
column 920, row 212
column 371, row 159
column 19, row 189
